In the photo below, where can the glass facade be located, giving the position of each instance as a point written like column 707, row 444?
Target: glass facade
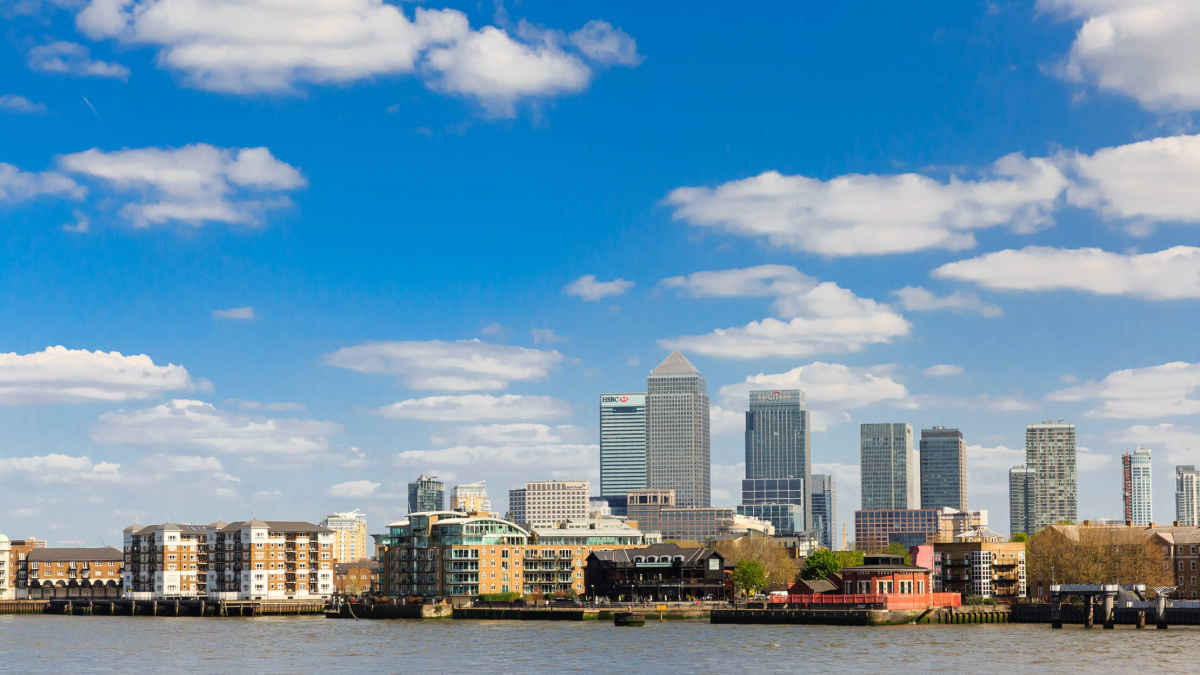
column 875, row 529
column 622, row 447
column 788, row 519
column 1050, row 452
column 824, row 509
column 778, row 444
column 1020, row 500
column 1135, row 469
column 943, row 469
column 426, row 494
column 696, row 524
column 1187, row 495
column 889, row 467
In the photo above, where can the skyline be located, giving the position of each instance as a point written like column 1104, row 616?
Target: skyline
column 289, row 290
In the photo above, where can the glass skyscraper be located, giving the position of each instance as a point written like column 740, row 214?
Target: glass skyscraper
column 1135, row 474
column 426, row 494
column 1187, row 495
column 622, row 447
column 1021, row 481
column 889, row 468
column 943, row 469
column 677, row 441
column 823, row 493
column 777, row 500
column 778, row 460
column 1050, row 452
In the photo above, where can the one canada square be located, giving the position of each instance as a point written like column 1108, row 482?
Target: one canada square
column 677, row 441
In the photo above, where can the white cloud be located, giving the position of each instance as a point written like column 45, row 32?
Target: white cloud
column 281, row 406
column 354, row 488
column 546, row 335
column 830, row 390
column 494, row 329
column 195, row 184
column 722, row 421
column 860, row 214
column 1086, row 460
column 61, row 375
column 235, row 313
column 549, row 459
column 18, row 186
column 916, row 299
column 1180, row 443
column 250, row 46
column 478, row 407
column 1140, row 183
column 69, row 58
column 602, row 43
column 985, row 402
column 1140, row 393
column 19, row 104
column 201, row 426
column 943, row 370
column 1144, row 49
column 588, row 288
column 55, row 468
column 633, row 361
column 1166, row 275
column 511, row 434
column 161, row 464
column 464, row 365
column 822, row 317
column 998, row 458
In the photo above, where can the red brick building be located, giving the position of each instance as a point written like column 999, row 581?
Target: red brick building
column 883, row 581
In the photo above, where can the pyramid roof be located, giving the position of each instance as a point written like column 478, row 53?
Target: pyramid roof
column 675, row 364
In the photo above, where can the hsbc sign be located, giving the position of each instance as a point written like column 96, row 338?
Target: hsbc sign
column 611, row 400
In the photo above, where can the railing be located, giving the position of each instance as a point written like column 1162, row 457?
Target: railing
column 889, row 601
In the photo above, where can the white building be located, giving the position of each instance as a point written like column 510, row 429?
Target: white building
column 7, row 584
column 1135, row 469
column 1187, row 495
column 270, row 560
column 546, row 503
column 350, row 536
column 470, row 498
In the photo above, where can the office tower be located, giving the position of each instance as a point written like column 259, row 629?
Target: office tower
column 1021, row 481
column 889, row 467
column 677, row 443
column 1050, row 452
column 1135, row 472
column 777, row 500
column 350, row 536
column 427, row 493
column 1187, row 495
column 943, row 469
column 622, row 447
column 823, row 494
column 778, row 445
column 545, row 503
column 471, row 497
column 645, row 508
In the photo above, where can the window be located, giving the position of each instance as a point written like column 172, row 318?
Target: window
column 258, row 566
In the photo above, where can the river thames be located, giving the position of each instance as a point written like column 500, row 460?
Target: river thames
column 309, row 644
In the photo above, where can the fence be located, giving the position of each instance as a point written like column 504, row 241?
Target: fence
column 883, row 601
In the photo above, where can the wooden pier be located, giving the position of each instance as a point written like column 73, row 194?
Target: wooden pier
column 174, row 607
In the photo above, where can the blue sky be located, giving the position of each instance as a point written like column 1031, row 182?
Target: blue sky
column 295, row 258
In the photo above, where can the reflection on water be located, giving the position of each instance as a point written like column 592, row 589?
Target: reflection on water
column 308, row 644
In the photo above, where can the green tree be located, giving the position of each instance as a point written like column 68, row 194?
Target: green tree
column 749, row 576
column 820, row 564
column 570, row 594
column 896, row 548
column 850, row 558
column 1019, row 537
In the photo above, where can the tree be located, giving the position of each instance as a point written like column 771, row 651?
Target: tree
column 749, row 576
column 850, row 558
column 1019, row 537
column 820, row 564
column 896, row 548
column 780, row 568
column 570, row 594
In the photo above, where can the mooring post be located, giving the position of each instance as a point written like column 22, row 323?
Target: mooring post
column 1089, row 619
column 1160, row 617
column 1141, row 618
column 1110, row 619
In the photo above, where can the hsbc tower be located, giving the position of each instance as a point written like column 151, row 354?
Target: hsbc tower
column 622, row 447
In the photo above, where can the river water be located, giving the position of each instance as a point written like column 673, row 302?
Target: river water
column 310, row 644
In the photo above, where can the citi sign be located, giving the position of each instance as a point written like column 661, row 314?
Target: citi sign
column 775, row 396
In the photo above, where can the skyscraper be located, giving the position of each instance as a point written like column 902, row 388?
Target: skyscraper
column 1135, row 473
column 351, row 543
column 1187, row 495
column 823, row 494
column 889, row 467
column 1050, row 452
column 426, row 494
column 622, row 447
column 778, row 445
column 943, row 469
column 677, row 442
column 1021, row 481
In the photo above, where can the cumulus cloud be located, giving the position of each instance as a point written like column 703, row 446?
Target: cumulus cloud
column 1144, row 49
column 1141, row 183
column 588, row 288
column 510, row 434
column 722, row 421
column 194, row 185
column 477, row 407
column 830, row 389
column 69, row 58
column 997, row 458
column 281, row 406
column 235, row 313
column 56, row 468
column 61, row 375
column 943, row 370
column 18, row 186
column 546, row 335
column 549, row 459
column 354, row 488
column 916, row 299
column 1140, row 393
column 196, row 425
column 817, row 317
column 251, row 46
column 860, row 214
column 1180, row 443
column 166, row 464
column 1165, row 275
column 19, row 104
column 465, row 365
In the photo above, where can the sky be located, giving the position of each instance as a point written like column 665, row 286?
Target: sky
column 276, row 260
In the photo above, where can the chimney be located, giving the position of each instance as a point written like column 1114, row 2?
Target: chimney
column 1175, row 524
column 1152, row 526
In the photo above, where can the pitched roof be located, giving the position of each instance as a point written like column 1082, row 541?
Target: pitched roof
column 276, row 526
column 675, row 364
column 626, row 555
column 78, row 554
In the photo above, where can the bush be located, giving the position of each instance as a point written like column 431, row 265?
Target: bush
column 499, row 597
column 978, row 600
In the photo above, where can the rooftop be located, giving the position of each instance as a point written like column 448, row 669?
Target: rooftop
column 675, row 364
column 104, row 553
